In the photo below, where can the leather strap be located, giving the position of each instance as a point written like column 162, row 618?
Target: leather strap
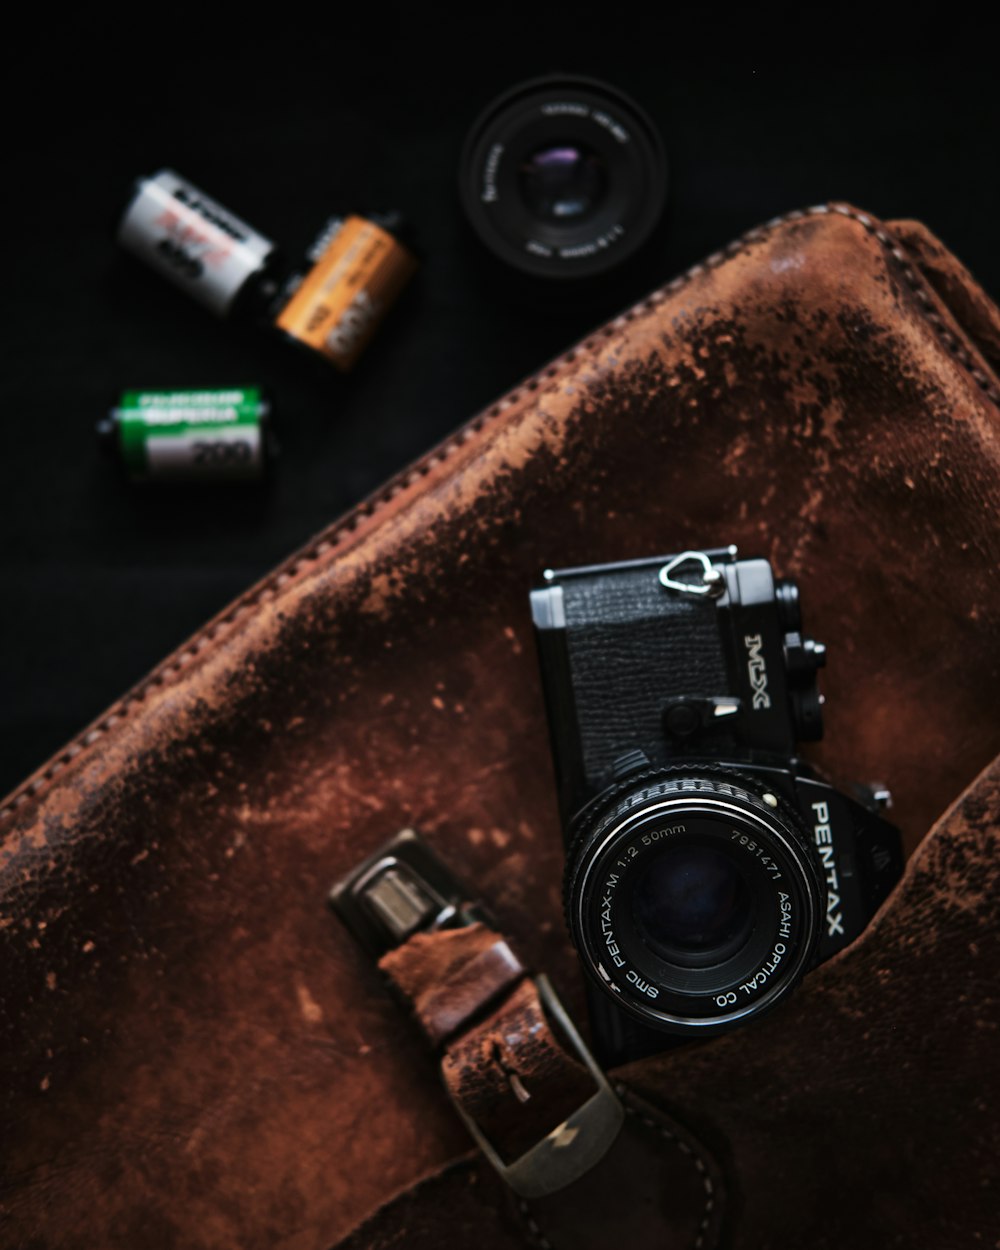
column 450, row 975
column 505, row 1067
column 500, row 1059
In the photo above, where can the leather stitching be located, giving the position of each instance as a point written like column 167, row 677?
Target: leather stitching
column 337, row 534
column 698, row 1162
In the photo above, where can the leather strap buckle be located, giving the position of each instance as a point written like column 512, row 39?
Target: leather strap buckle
column 400, row 890
column 571, row 1149
column 402, row 898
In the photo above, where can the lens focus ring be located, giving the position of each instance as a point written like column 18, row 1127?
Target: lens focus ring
column 692, row 901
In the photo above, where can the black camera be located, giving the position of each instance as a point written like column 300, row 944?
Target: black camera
column 708, row 867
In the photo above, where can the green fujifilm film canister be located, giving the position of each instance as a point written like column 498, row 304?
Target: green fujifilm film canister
column 191, row 436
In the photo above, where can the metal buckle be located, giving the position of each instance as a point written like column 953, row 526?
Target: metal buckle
column 399, row 890
column 572, row 1148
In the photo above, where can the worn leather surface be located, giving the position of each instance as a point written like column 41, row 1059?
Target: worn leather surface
column 194, row 1054
column 452, row 975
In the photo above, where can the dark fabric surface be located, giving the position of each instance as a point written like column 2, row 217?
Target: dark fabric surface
column 287, row 122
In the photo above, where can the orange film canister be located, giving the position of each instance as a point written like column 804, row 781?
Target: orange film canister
column 343, row 298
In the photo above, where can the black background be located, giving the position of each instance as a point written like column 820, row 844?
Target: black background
column 286, row 122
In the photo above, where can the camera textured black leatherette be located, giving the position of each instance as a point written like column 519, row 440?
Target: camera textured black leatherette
column 194, row 1051
column 624, row 659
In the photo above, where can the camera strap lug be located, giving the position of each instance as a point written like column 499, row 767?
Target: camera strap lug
column 711, row 585
column 515, row 1067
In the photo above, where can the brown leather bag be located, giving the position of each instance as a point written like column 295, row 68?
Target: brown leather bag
column 195, row 1053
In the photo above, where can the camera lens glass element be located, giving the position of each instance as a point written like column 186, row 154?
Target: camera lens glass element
column 563, row 177
column 563, row 182
column 693, row 903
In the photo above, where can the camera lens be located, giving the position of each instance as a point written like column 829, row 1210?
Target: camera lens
column 693, row 902
column 693, row 905
column 563, row 177
column 563, row 182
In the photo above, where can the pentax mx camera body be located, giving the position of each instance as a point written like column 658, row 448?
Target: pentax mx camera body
column 708, row 867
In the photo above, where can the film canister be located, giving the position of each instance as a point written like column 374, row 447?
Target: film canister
column 357, row 269
column 198, row 245
column 331, row 304
column 191, row 436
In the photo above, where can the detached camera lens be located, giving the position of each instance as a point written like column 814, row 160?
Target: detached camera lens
column 563, row 177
